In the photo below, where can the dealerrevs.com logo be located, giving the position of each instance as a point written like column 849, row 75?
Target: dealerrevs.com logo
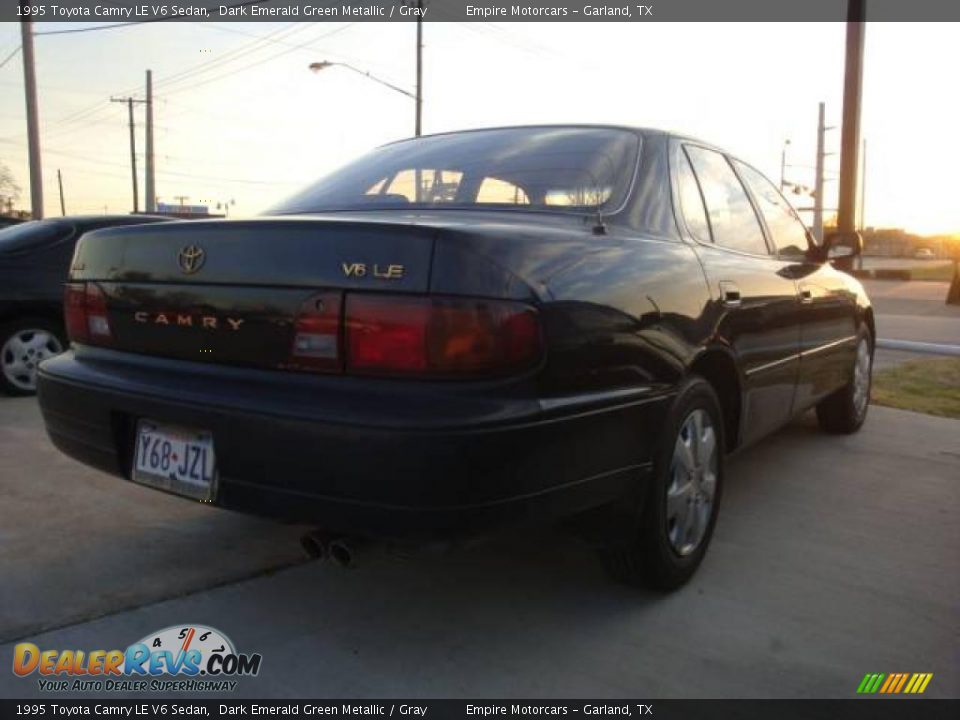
column 186, row 658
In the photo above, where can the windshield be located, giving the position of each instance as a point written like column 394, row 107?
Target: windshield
column 572, row 169
column 31, row 234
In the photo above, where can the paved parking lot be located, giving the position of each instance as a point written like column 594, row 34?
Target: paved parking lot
column 833, row 557
column 76, row 543
column 912, row 311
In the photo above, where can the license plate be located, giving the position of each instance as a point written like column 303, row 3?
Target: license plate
column 175, row 459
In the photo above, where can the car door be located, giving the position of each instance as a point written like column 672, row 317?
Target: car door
column 756, row 297
column 828, row 308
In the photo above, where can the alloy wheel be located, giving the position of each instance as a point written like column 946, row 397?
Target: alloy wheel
column 693, row 483
column 22, row 353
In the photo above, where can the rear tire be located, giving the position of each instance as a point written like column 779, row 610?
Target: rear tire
column 681, row 506
column 844, row 411
column 24, row 343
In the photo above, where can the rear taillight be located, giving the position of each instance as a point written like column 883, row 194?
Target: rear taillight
column 85, row 312
column 75, row 311
column 439, row 336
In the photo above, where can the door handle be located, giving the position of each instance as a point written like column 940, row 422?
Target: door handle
column 729, row 293
column 806, row 294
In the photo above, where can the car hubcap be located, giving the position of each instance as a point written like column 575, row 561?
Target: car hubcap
column 861, row 378
column 693, row 483
column 23, row 352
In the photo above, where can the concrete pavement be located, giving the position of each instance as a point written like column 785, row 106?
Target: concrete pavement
column 913, row 311
column 926, row 299
column 833, row 557
column 77, row 544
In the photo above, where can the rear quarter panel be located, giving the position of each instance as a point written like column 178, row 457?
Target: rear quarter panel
column 632, row 313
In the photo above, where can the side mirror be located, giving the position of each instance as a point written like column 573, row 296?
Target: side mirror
column 842, row 247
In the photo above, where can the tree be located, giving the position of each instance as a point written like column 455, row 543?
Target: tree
column 9, row 190
column 953, row 293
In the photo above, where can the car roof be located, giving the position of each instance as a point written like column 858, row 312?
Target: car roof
column 541, row 126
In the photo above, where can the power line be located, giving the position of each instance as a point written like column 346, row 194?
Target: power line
column 93, row 29
column 91, row 110
column 114, row 26
column 231, row 55
column 172, row 173
column 258, row 62
column 10, row 57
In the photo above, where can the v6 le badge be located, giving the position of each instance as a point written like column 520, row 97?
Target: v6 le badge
column 383, row 272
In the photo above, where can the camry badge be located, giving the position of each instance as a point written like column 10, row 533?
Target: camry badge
column 191, row 259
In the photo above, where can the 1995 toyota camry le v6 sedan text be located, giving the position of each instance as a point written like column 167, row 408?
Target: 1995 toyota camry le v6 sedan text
column 465, row 331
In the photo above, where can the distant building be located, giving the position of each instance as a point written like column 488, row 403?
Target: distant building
column 187, row 212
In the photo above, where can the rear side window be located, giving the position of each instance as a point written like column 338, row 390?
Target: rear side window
column 31, row 235
column 789, row 234
column 691, row 201
column 732, row 218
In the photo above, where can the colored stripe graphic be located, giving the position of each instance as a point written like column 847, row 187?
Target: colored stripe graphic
column 894, row 683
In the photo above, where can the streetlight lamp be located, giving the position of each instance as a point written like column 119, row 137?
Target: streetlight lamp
column 324, row 64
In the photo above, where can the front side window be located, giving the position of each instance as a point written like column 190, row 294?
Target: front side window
column 732, row 218
column 501, row 192
column 418, row 186
column 564, row 169
column 789, row 234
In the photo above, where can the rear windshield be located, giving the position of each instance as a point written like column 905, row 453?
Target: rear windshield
column 573, row 169
column 30, row 235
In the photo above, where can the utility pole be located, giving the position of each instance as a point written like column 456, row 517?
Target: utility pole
column 63, row 207
column 863, row 187
column 783, row 165
column 418, row 125
column 850, row 130
column 151, row 188
column 863, row 200
column 133, row 148
column 818, row 180
column 33, row 120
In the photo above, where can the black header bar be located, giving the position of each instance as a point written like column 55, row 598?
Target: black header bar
column 128, row 11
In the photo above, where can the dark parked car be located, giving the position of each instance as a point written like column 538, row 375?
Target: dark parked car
column 7, row 221
column 464, row 331
column 34, row 261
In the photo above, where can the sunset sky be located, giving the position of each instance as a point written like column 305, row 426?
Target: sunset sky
column 240, row 117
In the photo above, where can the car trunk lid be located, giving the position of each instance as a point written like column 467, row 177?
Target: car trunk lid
column 231, row 291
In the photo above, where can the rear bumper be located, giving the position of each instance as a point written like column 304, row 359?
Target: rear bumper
column 375, row 458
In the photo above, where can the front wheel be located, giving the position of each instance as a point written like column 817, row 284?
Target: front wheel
column 681, row 507
column 845, row 410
